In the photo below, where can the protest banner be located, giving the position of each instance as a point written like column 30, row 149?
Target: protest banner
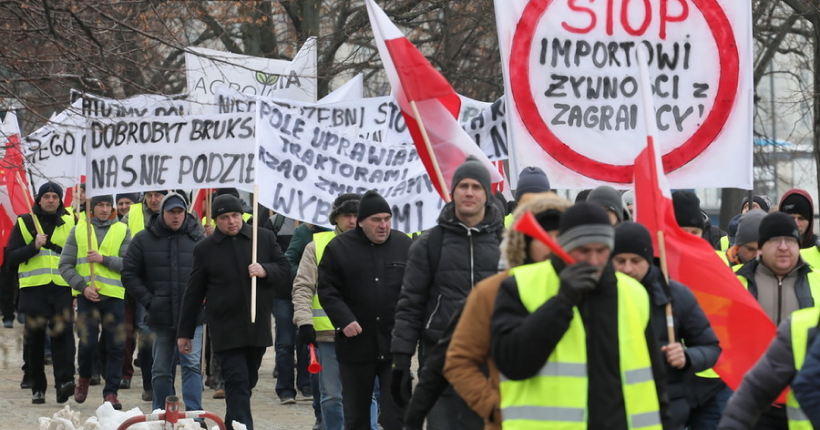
column 572, row 91
column 380, row 119
column 205, row 69
column 54, row 152
column 143, row 154
column 302, row 166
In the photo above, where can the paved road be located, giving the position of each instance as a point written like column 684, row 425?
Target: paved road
column 17, row 412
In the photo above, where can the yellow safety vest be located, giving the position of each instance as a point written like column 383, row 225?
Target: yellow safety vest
column 724, row 243
column 556, row 398
column 43, row 268
column 245, row 217
column 107, row 280
column 811, row 256
column 136, row 219
column 802, row 321
column 508, row 221
column 321, row 322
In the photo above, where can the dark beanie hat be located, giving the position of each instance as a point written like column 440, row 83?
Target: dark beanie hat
column 372, row 203
column 134, row 197
column 609, row 198
column 227, row 191
column 101, row 199
column 50, row 187
column 225, row 204
column 531, row 180
column 687, row 209
column 761, row 201
column 748, row 227
column 797, row 204
column 549, row 219
column 583, row 224
column 582, row 196
column 777, row 224
column 345, row 204
column 633, row 238
column 473, row 169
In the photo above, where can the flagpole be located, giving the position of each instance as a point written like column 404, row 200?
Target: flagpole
column 439, row 176
column 649, row 119
column 28, row 203
column 91, row 245
column 253, row 250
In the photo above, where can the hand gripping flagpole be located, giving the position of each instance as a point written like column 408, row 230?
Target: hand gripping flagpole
column 649, row 121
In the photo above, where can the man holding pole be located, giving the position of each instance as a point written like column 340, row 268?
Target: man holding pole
column 91, row 264
column 573, row 341
column 35, row 246
column 633, row 256
column 221, row 276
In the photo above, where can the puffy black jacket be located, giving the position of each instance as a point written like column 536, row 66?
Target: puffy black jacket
column 157, row 266
column 360, row 281
column 429, row 300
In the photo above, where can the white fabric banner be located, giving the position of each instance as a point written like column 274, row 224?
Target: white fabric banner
column 55, row 151
column 380, row 119
column 192, row 152
column 205, row 69
column 572, row 89
column 302, row 166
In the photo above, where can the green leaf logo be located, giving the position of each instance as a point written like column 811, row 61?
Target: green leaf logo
column 266, row 79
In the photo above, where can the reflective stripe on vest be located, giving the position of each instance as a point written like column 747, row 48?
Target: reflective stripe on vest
column 802, row 321
column 107, row 280
column 557, row 396
column 43, row 268
column 136, row 219
column 321, row 322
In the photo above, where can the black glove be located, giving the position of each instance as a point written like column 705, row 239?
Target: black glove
column 576, row 280
column 307, row 334
column 401, row 385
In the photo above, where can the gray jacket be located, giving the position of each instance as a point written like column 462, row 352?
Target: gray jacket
column 69, row 257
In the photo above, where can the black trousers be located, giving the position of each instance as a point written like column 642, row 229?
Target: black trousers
column 358, row 379
column 240, row 368
column 61, row 328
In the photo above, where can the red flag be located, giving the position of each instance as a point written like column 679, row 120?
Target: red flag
column 14, row 198
column 416, row 82
column 741, row 325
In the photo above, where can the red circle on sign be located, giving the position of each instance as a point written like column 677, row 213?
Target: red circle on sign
column 675, row 159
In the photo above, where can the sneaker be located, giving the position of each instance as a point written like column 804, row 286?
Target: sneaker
column 219, row 394
column 95, row 380
column 307, row 394
column 112, row 398
column 125, row 384
column 81, row 391
column 8, row 324
column 65, row 391
column 26, row 384
column 147, row 395
column 38, row 397
column 318, row 424
column 290, row 400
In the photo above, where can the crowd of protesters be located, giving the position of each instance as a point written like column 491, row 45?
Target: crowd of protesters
column 506, row 334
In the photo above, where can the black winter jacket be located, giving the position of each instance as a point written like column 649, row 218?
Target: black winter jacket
column 157, row 267
column 429, row 300
column 360, row 281
column 220, row 277
column 692, row 328
column 523, row 341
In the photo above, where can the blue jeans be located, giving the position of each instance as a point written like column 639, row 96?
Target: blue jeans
column 166, row 356
column 111, row 313
column 286, row 342
column 330, row 386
